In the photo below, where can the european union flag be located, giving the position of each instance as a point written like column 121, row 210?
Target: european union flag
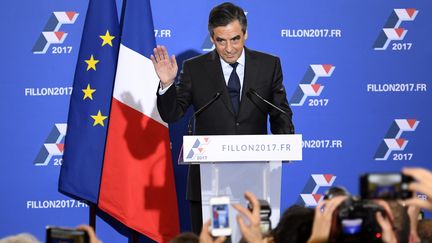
column 126, row 168
column 90, row 102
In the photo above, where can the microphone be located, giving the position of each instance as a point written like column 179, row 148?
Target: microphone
column 200, row 110
column 252, row 91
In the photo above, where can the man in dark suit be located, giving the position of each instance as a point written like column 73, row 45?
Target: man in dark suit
column 230, row 74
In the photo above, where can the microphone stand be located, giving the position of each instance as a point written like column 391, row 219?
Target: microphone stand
column 199, row 111
column 252, row 91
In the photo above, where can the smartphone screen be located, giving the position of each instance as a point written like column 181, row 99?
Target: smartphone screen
column 65, row 235
column 385, row 186
column 220, row 216
column 220, row 222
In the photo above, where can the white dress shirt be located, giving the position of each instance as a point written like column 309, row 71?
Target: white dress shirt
column 226, row 69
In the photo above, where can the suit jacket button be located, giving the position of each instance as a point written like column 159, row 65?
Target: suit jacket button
column 237, row 124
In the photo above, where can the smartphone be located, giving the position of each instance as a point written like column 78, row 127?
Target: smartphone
column 65, row 235
column 220, row 220
column 385, row 186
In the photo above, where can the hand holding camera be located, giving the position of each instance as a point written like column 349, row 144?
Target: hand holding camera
column 323, row 219
column 252, row 231
column 80, row 234
column 422, row 184
column 206, row 237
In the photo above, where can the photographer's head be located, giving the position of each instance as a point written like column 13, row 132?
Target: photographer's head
column 295, row 225
column 335, row 191
column 401, row 221
column 349, row 219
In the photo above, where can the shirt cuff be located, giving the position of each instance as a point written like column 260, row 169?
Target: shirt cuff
column 163, row 90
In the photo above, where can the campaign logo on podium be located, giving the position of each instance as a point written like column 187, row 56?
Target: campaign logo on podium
column 198, row 148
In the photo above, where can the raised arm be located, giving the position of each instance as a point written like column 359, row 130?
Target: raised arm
column 166, row 67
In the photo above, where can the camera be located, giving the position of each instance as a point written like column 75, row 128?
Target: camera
column 385, row 186
column 265, row 214
column 65, row 235
column 355, row 221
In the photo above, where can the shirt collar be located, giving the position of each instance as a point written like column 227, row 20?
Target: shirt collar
column 241, row 60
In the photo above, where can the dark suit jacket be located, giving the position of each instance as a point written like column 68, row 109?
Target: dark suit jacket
column 202, row 77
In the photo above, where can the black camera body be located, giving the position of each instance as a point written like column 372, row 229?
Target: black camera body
column 356, row 221
column 56, row 234
column 265, row 214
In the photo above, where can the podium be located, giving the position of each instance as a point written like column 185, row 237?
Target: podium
column 233, row 164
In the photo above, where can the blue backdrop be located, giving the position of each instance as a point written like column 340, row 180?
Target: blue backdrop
column 356, row 74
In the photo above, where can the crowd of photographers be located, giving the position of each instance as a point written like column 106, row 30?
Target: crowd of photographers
column 341, row 217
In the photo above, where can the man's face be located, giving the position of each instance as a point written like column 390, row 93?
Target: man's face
column 229, row 41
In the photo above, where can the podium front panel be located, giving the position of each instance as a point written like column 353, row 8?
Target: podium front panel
column 233, row 179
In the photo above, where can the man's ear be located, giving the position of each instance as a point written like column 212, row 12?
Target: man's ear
column 246, row 35
column 211, row 38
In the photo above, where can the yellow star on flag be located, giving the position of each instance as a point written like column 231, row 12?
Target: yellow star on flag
column 107, row 38
column 88, row 92
column 98, row 119
column 91, row 63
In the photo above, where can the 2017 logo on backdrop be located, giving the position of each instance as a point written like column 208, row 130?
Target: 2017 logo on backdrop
column 309, row 196
column 391, row 30
column 308, row 86
column 51, row 34
column 393, row 141
column 53, row 146
column 198, row 148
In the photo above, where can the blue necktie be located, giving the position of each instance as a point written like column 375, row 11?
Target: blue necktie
column 234, row 88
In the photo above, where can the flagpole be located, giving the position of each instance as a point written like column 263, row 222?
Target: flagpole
column 134, row 236
column 93, row 207
column 92, row 216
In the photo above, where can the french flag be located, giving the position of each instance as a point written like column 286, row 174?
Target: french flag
column 117, row 149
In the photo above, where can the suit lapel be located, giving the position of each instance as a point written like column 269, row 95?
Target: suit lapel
column 250, row 74
column 214, row 70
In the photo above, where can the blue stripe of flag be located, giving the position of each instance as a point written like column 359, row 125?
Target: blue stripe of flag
column 85, row 142
column 139, row 20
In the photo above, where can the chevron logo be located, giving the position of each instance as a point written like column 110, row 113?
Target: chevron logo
column 309, row 196
column 53, row 145
column 392, row 140
column 308, row 86
column 392, row 30
column 198, row 147
column 51, row 34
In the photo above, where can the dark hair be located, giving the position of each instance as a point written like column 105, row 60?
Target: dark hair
column 224, row 14
column 401, row 221
column 186, row 237
column 335, row 191
column 295, row 225
column 424, row 229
